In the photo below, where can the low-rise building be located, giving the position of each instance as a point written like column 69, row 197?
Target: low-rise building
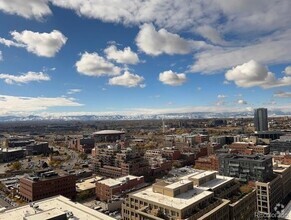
column 174, row 200
column 45, row 184
column 57, row 208
column 164, row 200
column 87, row 187
column 108, row 188
column 37, row 148
column 207, row 163
column 10, row 154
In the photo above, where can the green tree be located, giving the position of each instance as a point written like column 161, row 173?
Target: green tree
column 16, row 165
column 83, row 156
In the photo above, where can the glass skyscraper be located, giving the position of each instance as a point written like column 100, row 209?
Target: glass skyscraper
column 261, row 119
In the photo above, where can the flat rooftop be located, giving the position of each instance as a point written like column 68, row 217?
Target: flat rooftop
column 115, row 182
column 280, row 168
column 88, row 183
column 51, row 207
column 246, row 157
column 108, row 132
column 178, row 184
column 220, row 180
column 179, row 202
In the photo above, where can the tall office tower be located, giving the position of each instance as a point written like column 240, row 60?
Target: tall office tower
column 261, row 119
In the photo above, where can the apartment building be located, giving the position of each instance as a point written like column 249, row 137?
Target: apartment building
column 191, row 194
column 246, row 167
column 174, row 200
column 269, row 194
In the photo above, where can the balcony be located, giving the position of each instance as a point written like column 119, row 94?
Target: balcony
column 234, row 165
column 259, row 168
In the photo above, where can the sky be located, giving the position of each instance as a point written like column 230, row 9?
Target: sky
column 76, row 57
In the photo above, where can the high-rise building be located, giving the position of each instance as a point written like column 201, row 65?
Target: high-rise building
column 261, row 119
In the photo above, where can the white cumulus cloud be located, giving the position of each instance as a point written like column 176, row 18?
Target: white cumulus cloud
column 253, row 73
column 74, row 91
column 41, row 44
column 28, row 9
column 273, row 49
column 221, row 96
column 127, row 80
column 24, row 78
column 91, row 64
column 287, row 70
column 126, row 56
column 154, row 42
column 18, row 104
column 282, row 94
column 171, row 78
column 241, row 102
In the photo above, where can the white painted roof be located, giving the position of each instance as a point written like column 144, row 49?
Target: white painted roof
column 108, row 132
column 59, row 204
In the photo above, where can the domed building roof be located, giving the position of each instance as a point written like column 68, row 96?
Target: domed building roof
column 108, row 132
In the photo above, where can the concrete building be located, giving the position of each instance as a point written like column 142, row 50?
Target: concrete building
column 273, row 135
column 46, row 184
column 280, row 146
column 107, row 189
column 246, row 167
column 53, row 208
column 191, row 194
column 115, row 162
column 284, row 172
column 10, row 154
column 108, row 136
column 285, row 213
column 88, row 186
column 37, row 148
column 261, row 119
column 269, row 194
column 174, row 200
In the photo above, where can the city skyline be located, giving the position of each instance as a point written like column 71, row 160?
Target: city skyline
column 144, row 57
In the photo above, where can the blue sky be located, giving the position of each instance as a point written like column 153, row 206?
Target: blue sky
column 72, row 57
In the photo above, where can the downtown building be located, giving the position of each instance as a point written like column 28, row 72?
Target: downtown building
column 45, row 184
column 261, row 119
column 191, row 194
column 271, row 193
column 246, row 167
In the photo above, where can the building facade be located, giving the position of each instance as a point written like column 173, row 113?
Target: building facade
column 47, row 184
column 108, row 188
column 261, row 119
column 246, row 167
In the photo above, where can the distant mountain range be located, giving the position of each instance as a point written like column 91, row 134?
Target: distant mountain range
column 190, row 115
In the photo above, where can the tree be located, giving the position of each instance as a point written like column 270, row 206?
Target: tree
column 16, row 165
column 83, row 156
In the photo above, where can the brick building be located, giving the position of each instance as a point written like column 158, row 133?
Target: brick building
column 248, row 148
column 108, row 188
column 47, row 184
column 84, row 145
column 207, row 163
